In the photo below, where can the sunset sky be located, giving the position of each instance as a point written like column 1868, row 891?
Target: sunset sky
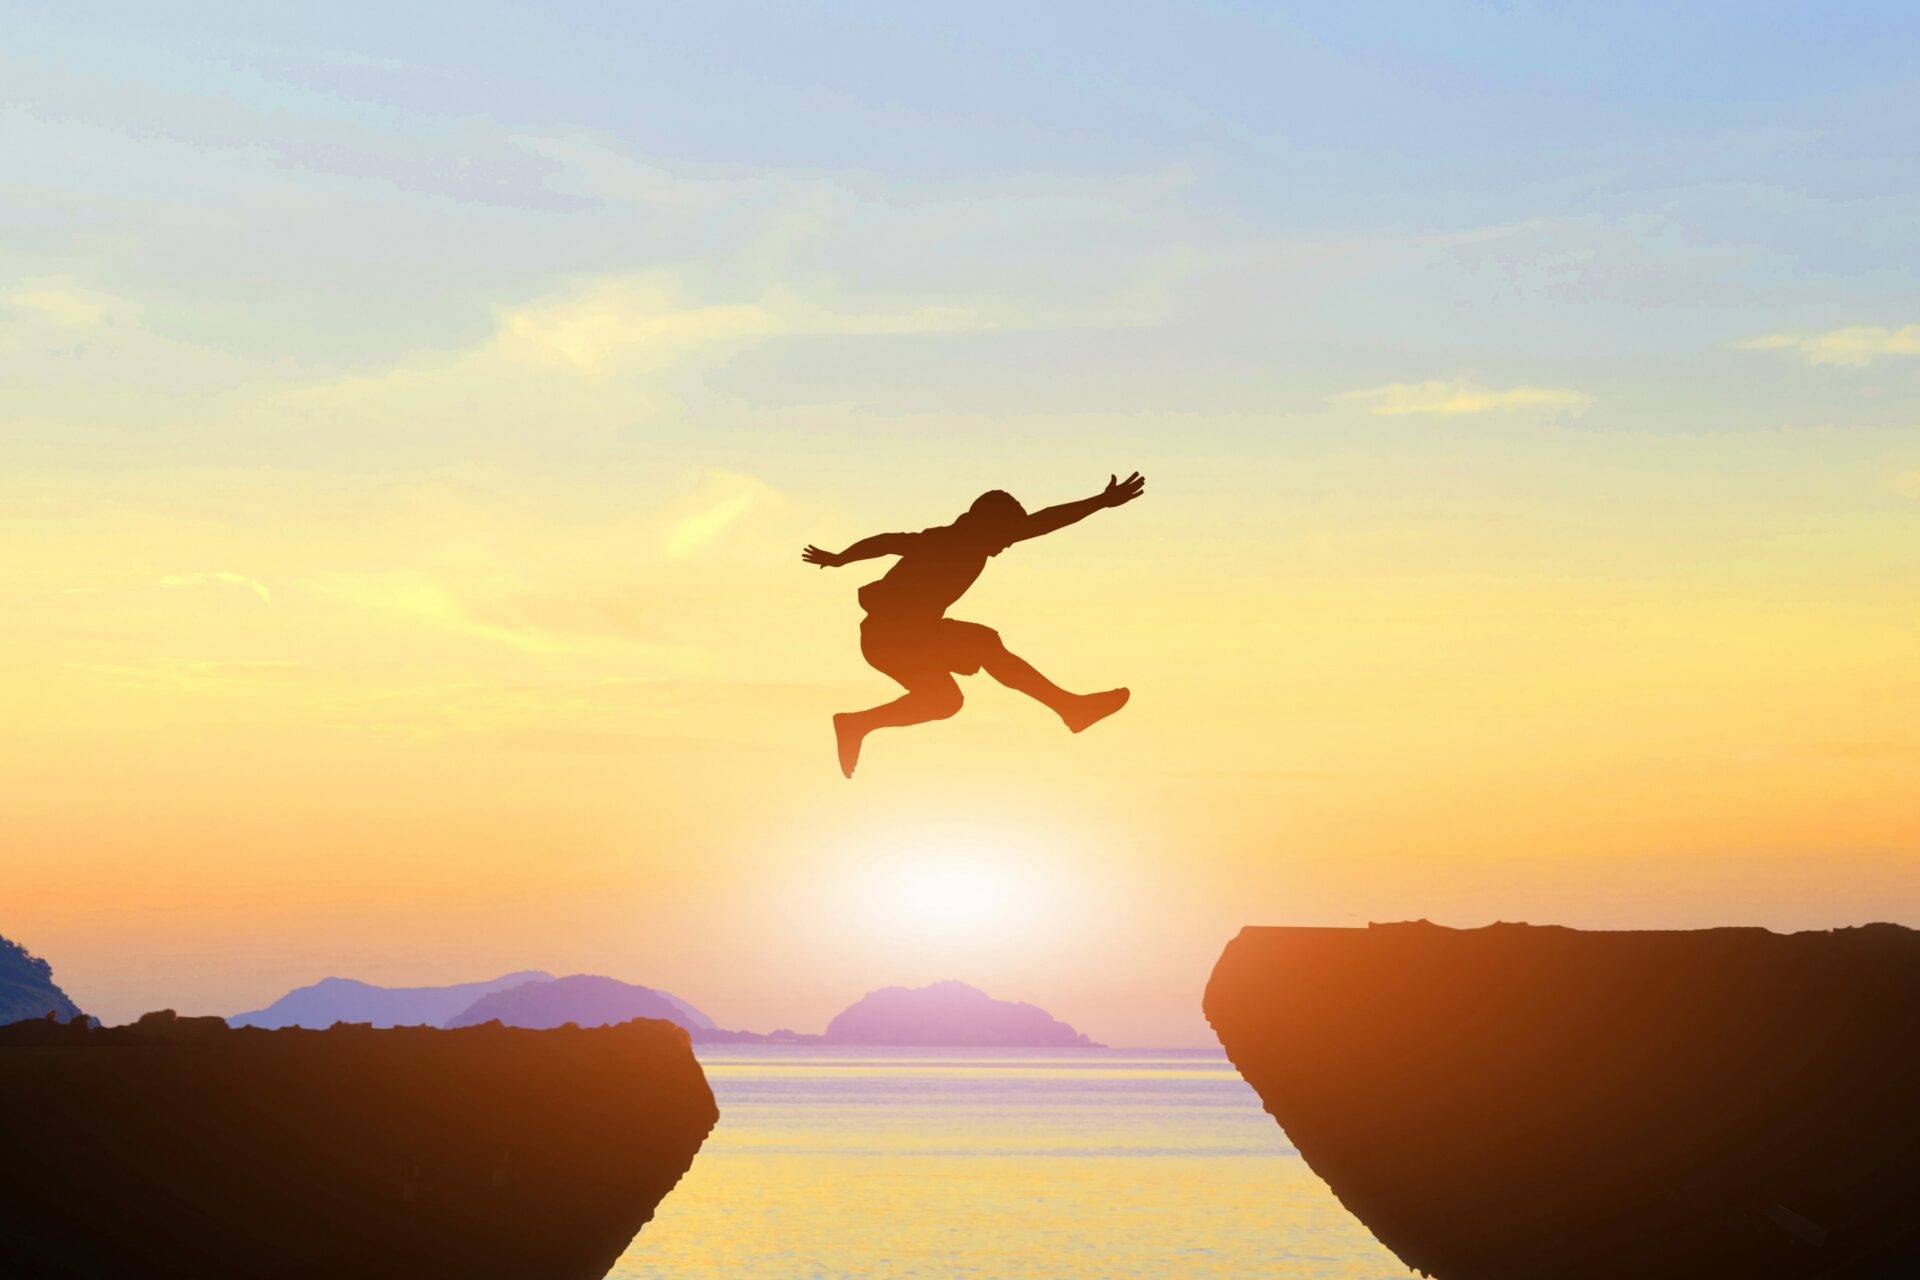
column 409, row 424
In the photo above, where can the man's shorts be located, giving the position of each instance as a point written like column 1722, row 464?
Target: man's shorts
column 913, row 650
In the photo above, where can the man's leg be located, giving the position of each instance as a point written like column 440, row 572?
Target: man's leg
column 1078, row 710
column 1015, row 672
column 935, row 698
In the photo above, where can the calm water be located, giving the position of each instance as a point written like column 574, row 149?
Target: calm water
column 838, row 1163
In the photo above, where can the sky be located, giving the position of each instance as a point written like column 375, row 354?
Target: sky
column 410, row 417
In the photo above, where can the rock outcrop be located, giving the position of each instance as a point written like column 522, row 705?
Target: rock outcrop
column 179, row 1147
column 582, row 999
column 332, row 1000
column 1520, row 1103
column 27, row 989
column 949, row 1014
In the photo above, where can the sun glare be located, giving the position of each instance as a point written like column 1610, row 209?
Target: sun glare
column 949, row 895
column 954, row 888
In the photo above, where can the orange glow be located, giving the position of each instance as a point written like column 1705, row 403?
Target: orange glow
column 469, row 727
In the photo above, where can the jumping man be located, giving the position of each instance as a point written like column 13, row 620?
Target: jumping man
column 907, row 635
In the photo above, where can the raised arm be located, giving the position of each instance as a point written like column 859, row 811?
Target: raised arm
column 880, row 544
column 1115, row 494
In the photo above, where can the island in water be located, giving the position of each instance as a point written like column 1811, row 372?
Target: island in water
column 585, row 1000
column 949, row 1014
column 1524, row 1103
column 332, row 1000
column 944, row 1014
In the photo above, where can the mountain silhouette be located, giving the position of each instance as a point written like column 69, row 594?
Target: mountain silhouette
column 332, row 1000
column 585, row 1000
column 949, row 1014
column 27, row 988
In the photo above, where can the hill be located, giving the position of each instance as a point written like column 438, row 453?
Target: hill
column 332, row 1000
column 27, row 988
column 585, row 1000
column 949, row 1014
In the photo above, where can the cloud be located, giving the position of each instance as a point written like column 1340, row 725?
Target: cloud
column 1032, row 251
column 598, row 356
column 1457, row 397
column 222, row 578
column 637, row 323
column 422, row 598
column 719, row 503
column 588, row 168
column 67, row 306
column 624, row 325
column 1853, row 347
column 500, row 607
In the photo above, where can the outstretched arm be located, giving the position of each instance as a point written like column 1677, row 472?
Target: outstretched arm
column 1116, row 493
column 880, row 544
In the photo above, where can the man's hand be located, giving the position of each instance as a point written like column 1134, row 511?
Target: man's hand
column 1119, row 492
column 825, row 559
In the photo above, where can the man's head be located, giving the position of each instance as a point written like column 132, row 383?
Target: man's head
column 996, row 512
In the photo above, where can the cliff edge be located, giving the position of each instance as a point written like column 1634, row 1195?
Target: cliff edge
column 1523, row 1103
column 178, row 1147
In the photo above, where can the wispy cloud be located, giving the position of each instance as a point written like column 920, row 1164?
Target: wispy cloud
column 66, row 306
column 722, row 499
column 636, row 323
column 422, row 598
column 597, row 356
column 1853, row 347
column 502, row 608
column 1456, row 397
column 221, row 578
column 622, row 324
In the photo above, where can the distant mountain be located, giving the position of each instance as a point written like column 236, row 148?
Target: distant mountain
column 949, row 1013
column 582, row 999
column 27, row 989
column 332, row 1000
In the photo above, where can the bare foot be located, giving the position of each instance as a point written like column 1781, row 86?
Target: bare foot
column 1095, row 707
column 847, row 736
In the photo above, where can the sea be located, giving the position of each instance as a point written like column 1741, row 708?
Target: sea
column 956, row 1164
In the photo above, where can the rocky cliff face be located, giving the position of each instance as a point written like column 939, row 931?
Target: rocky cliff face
column 27, row 989
column 179, row 1148
column 1519, row 1103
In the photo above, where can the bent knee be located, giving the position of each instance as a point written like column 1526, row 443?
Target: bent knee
column 980, row 644
column 944, row 702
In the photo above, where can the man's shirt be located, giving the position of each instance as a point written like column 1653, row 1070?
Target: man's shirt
column 936, row 569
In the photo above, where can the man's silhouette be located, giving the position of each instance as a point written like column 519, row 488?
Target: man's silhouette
column 907, row 635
